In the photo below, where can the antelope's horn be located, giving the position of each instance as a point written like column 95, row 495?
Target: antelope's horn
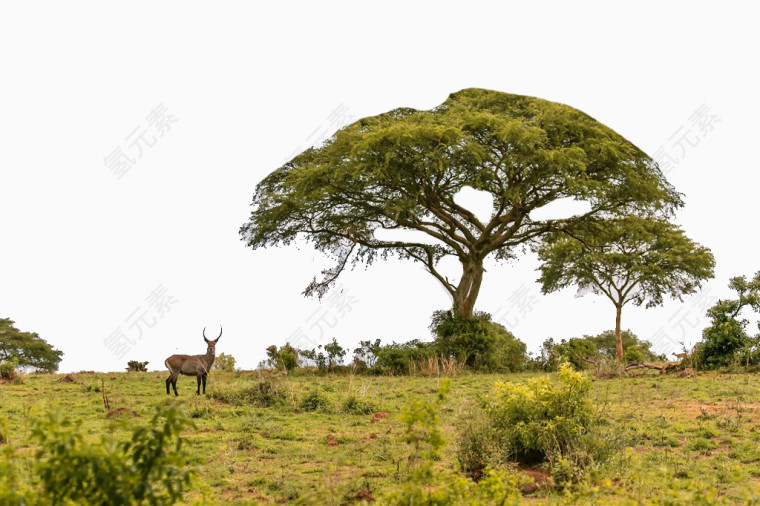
column 204, row 335
column 220, row 334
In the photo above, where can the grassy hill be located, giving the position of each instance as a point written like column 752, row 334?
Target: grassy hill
column 681, row 440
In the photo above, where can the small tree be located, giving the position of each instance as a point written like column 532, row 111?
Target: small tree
column 285, row 358
column 135, row 366
column 224, row 362
column 628, row 259
column 28, row 349
column 367, row 352
column 335, row 353
column 727, row 335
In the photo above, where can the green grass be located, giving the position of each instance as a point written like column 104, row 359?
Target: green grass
column 682, row 440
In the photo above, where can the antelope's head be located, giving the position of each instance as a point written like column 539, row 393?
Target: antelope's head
column 211, row 344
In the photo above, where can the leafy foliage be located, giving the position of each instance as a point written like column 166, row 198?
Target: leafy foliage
column 579, row 350
column 135, row 366
column 402, row 169
column 284, row 358
column 148, row 468
column 627, row 259
column 29, row 349
column 224, row 362
column 425, row 485
column 544, row 420
column 315, row 400
column 9, row 369
column 476, row 340
column 367, row 352
column 726, row 338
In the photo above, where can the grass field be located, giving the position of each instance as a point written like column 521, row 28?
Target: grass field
column 682, row 440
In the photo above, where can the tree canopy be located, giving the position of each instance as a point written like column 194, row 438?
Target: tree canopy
column 627, row 259
column 402, row 169
column 28, row 349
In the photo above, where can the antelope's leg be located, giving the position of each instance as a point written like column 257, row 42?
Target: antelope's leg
column 198, row 392
column 174, row 384
column 204, row 384
column 168, row 382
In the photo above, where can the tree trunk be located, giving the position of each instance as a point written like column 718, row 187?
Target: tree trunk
column 618, row 335
column 469, row 286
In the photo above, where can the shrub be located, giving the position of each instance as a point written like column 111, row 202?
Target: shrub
column 314, row 400
column 367, row 353
column 8, row 370
column 224, row 362
column 135, row 366
column 477, row 341
column 148, row 468
column 263, row 393
column 335, row 353
column 544, row 420
column 356, row 405
column 396, row 358
column 581, row 352
column 285, row 358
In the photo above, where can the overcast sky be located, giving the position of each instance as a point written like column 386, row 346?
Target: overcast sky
column 133, row 138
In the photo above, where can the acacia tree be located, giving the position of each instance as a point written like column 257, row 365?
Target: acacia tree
column 402, row 169
column 28, row 349
column 628, row 259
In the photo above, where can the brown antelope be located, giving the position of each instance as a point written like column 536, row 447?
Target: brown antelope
column 192, row 365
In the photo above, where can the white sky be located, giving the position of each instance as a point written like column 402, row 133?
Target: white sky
column 249, row 85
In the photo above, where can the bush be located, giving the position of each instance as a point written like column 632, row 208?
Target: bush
column 149, row 468
column 315, row 400
column 8, row 370
column 224, row 362
column 135, row 366
column 396, row 358
column 578, row 351
column 541, row 421
column 477, row 341
column 285, row 358
column 263, row 393
column 355, row 405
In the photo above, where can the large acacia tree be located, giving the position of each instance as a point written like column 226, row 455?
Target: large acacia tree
column 402, row 169
column 627, row 259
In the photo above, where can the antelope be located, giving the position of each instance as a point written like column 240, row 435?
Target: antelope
column 192, row 365
column 680, row 356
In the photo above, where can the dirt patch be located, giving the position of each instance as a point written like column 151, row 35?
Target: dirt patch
column 363, row 495
column 332, row 440
column 380, row 415
column 67, row 378
column 121, row 411
column 371, row 436
column 539, row 479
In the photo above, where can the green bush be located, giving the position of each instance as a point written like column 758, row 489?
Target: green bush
column 224, row 362
column 8, row 370
column 395, row 358
column 149, row 468
column 477, row 342
column 545, row 420
column 315, row 400
column 578, row 350
column 356, row 405
column 263, row 393
column 135, row 366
